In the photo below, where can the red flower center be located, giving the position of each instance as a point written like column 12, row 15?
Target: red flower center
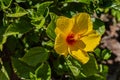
column 71, row 39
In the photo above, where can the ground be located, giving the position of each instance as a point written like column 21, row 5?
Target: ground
column 111, row 41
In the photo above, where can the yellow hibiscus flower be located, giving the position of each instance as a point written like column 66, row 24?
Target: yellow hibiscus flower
column 75, row 36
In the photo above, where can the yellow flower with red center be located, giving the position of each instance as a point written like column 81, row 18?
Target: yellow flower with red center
column 75, row 36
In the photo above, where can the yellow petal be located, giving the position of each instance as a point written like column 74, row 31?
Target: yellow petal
column 91, row 40
column 77, row 45
column 60, row 45
column 82, row 23
column 90, row 26
column 64, row 25
column 80, row 55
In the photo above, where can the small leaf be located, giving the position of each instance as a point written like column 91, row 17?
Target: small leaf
column 3, row 38
column 20, row 27
column 99, row 26
column 74, row 66
column 19, row 11
column 42, row 7
column 90, row 68
column 3, row 76
column 3, row 72
column 105, row 70
column 19, row 1
column 114, row 12
column 51, row 27
column 82, row 1
column 59, row 66
column 43, row 71
column 85, row 1
column 97, row 52
column 21, row 69
column 5, row 3
column 38, row 22
column 75, row 71
column 38, row 17
column 16, row 14
column 106, row 54
column 118, row 15
column 33, row 76
column 35, row 55
column 48, row 43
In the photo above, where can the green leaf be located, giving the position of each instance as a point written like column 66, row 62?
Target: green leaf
column 5, row 3
column 60, row 66
column 19, row 11
column 42, row 7
column 38, row 22
column 3, row 76
column 48, row 43
column 43, row 72
column 51, row 27
column 16, row 14
column 21, row 69
column 118, row 15
column 81, row 1
column 75, row 70
column 19, row 1
column 85, row 1
column 74, row 66
column 3, row 72
column 97, row 52
column 90, row 68
column 106, row 54
column 102, row 54
column 105, row 70
column 38, row 17
column 33, row 76
column 20, row 27
column 94, row 77
column 115, row 10
column 2, row 37
column 99, row 26
column 35, row 55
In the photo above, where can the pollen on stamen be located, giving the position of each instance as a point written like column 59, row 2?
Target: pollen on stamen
column 70, row 39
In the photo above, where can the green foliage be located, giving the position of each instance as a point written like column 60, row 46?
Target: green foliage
column 90, row 68
column 27, row 40
column 102, row 54
column 19, row 1
column 3, row 73
column 50, row 29
column 35, row 55
column 82, row 1
column 3, row 76
column 115, row 10
column 21, row 69
column 18, row 12
column 20, row 29
column 2, row 38
column 5, row 3
column 74, row 66
column 43, row 71
column 99, row 26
